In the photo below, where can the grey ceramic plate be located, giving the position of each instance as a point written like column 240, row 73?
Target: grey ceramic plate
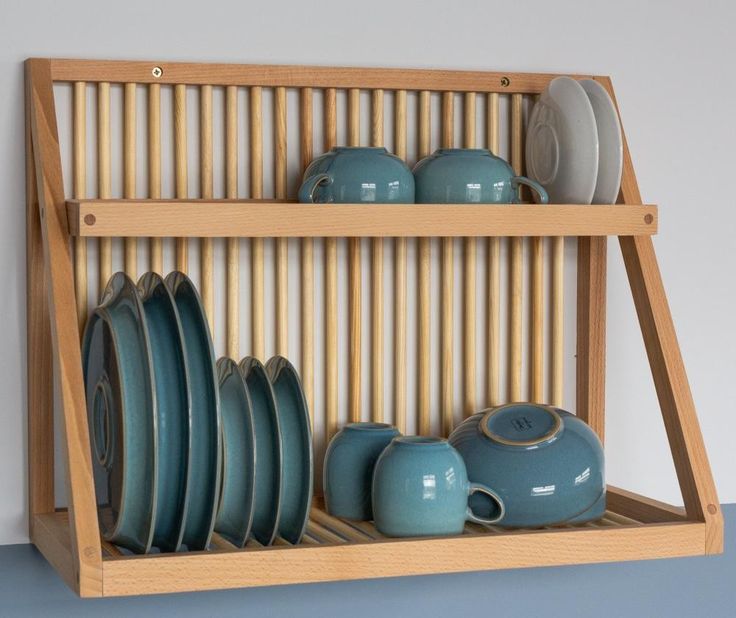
column 269, row 449
column 296, row 440
column 121, row 406
column 171, row 379
column 204, row 460
column 238, row 479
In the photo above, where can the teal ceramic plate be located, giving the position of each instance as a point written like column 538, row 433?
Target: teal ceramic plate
column 171, row 379
column 238, row 479
column 121, row 406
column 269, row 449
column 204, row 457
column 296, row 440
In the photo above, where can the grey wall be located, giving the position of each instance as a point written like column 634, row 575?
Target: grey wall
column 673, row 81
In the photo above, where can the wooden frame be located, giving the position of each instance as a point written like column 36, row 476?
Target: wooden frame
column 635, row 527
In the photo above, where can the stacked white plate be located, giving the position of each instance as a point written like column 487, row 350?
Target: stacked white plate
column 574, row 146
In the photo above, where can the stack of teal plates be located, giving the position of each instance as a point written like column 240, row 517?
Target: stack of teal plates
column 183, row 446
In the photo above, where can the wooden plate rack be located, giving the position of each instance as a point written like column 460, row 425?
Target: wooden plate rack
column 60, row 227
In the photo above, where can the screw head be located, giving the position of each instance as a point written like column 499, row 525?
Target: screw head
column 648, row 219
column 157, row 71
column 505, row 81
column 90, row 219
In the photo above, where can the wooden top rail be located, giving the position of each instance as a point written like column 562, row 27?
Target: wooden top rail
column 159, row 72
column 229, row 218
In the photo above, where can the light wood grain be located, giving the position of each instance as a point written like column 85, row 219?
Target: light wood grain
column 130, row 260
column 52, row 538
column 206, row 182
column 643, row 509
column 447, row 288
column 79, row 189
column 258, row 344
column 469, row 277
column 306, row 146
column 377, row 411
column 103, row 179
column 516, row 267
column 493, row 269
column 557, row 342
column 536, row 320
column 180, row 167
column 424, row 266
column 354, row 282
column 400, row 268
column 336, row 525
column 281, row 248
column 232, row 245
column 155, row 245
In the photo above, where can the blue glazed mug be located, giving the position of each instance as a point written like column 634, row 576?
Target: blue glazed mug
column 350, row 175
column 469, row 176
column 421, row 488
column 546, row 464
column 348, row 470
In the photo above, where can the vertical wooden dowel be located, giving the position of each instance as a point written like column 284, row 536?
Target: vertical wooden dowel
column 557, row 263
column 469, row 265
column 103, row 177
column 493, row 327
column 155, row 246
column 307, row 258
column 536, row 318
column 516, row 266
column 331, row 394
column 180, row 167
column 232, row 245
column 281, row 244
column 423, row 284
column 447, row 288
column 377, row 280
column 354, row 281
column 129, row 172
column 80, row 191
column 206, row 245
column 256, row 244
column 400, row 280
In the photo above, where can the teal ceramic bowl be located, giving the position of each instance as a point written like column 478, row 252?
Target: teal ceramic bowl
column 171, row 379
column 239, row 456
column 354, row 174
column 121, row 407
column 296, row 440
column 269, row 462
column 204, row 458
column 421, row 488
column 469, row 175
column 546, row 464
column 348, row 468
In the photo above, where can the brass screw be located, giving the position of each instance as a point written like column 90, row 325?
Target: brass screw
column 505, row 81
column 90, row 219
column 157, row 71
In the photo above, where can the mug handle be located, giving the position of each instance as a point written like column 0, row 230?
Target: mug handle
column 306, row 191
column 470, row 516
column 533, row 185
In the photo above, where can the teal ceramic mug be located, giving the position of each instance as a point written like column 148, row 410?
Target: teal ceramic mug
column 546, row 464
column 469, row 175
column 351, row 175
column 421, row 488
column 348, row 470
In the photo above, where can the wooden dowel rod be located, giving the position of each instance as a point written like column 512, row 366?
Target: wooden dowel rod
column 377, row 280
column 447, row 289
column 330, row 112
column 80, row 191
column 331, row 378
column 256, row 244
column 400, row 280
column 493, row 326
column 206, row 179
column 232, row 245
column 557, row 264
column 338, row 526
column 536, row 318
column 469, row 266
column 103, row 178
column 306, row 148
column 423, row 284
column 155, row 245
column 516, row 266
column 354, row 281
column 129, row 172
column 180, row 166
column 281, row 244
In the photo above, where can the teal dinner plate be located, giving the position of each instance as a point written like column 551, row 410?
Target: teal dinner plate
column 296, row 440
column 121, row 407
column 238, row 478
column 204, row 456
column 171, row 379
column 269, row 449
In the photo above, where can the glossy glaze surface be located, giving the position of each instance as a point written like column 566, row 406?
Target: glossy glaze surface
column 296, row 441
column 469, row 175
column 421, row 488
column 357, row 174
column 121, row 406
column 546, row 464
column 348, row 469
column 239, row 455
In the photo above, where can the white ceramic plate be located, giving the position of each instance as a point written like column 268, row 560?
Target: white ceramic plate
column 610, row 144
column 562, row 143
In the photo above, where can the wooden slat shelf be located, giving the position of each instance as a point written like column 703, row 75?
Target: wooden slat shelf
column 229, row 218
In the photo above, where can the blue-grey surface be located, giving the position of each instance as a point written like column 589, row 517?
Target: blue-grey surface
column 701, row 587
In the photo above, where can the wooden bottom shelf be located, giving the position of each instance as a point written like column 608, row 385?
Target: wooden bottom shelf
column 335, row 549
